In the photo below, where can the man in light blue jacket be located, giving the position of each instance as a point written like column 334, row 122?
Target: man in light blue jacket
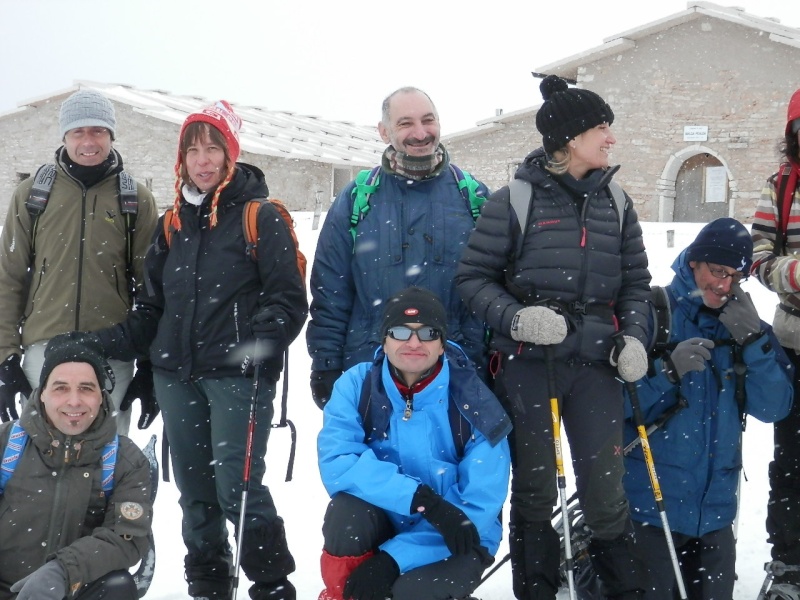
column 413, row 453
column 723, row 363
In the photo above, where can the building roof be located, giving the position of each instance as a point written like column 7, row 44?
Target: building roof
column 622, row 42
column 266, row 132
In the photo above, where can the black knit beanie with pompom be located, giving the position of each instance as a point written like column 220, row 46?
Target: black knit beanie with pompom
column 567, row 112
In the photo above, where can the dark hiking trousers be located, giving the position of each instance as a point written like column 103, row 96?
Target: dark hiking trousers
column 707, row 563
column 206, row 422
column 591, row 407
column 353, row 527
column 783, row 518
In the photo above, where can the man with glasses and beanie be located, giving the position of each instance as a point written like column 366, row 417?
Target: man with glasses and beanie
column 413, row 453
column 720, row 364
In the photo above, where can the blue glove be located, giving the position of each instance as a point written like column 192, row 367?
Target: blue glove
column 48, row 582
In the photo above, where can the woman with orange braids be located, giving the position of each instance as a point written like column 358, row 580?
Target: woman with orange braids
column 206, row 304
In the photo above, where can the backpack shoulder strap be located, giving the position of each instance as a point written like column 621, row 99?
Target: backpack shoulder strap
column 520, row 192
column 367, row 181
column 250, row 226
column 459, row 426
column 129, row 208
column 250, row 230
column 661, row 310
column 39, row 195
column 167, row 225
column 468, row 187
column 40, row 191
column 17, row 439
column 109, row 461
column 618, row 195
column 784, row 206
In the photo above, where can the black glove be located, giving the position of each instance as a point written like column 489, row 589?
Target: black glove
column 372, row 579
column 689, row 355
column 460, row 534
column 322, row 386
column 12, row 382
column 142, row 388
column 740, row 317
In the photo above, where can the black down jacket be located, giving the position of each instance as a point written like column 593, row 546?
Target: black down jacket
column 573, row 255
column 203, row 289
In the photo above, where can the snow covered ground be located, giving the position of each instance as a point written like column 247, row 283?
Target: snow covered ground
column 302, row 501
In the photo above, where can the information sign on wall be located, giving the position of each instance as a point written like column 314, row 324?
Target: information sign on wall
column 695, row 133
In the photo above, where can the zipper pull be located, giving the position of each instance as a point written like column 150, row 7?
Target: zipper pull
column 583, row 236
column 66, row 450
column 409, row 409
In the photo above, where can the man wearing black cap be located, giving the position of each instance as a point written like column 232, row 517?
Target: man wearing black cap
column 71, row 267
column 723, row 362
column 413, row 453
column 556, row 277
column 75, row 506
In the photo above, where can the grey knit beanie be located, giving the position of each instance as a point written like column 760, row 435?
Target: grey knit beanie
column 87, row 108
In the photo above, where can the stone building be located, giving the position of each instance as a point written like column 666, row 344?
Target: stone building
column 700, row 101
column 306, row 159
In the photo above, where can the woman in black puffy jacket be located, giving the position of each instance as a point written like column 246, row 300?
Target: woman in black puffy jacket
column 556, row 270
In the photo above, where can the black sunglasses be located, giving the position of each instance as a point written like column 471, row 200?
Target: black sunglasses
column 424, row 333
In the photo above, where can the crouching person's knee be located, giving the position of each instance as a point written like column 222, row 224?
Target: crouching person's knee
column 116, row 585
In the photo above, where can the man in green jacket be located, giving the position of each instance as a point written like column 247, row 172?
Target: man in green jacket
column 66, row 531
column 70, row 268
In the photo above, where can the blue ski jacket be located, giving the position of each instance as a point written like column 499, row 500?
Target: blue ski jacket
column 697, row 453
column 387, row 471
column 413, row 234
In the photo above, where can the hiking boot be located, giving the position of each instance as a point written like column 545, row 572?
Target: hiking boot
column 784, row 591
column 282, row 589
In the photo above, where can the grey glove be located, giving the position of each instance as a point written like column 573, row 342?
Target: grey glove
column 539, row 325
column 740, row 317
column 689, row 355
column 48, row 582
column 631, row 361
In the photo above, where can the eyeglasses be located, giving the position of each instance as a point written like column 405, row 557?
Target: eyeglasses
column 402, row 333
column 721, row 273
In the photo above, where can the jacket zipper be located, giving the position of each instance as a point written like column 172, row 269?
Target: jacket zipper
column 55, row 520
column 80, row 259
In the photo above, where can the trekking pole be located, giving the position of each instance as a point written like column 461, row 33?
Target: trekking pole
column 248, row 455
column 561, row 478
column 494, row 569
column 619, row 342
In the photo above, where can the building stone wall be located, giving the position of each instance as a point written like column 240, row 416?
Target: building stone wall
column 149, row 148
column 705, row 72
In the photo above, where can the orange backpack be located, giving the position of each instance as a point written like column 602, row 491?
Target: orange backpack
column 250, row 229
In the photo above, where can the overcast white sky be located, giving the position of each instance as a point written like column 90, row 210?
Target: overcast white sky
column 333, row 59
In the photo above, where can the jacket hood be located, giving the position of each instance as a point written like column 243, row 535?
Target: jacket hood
column 793, row 112
column 248, row 182
column 684, row 287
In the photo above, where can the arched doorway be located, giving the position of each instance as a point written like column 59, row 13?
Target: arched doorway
column 701, row 190
column 696, row 187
